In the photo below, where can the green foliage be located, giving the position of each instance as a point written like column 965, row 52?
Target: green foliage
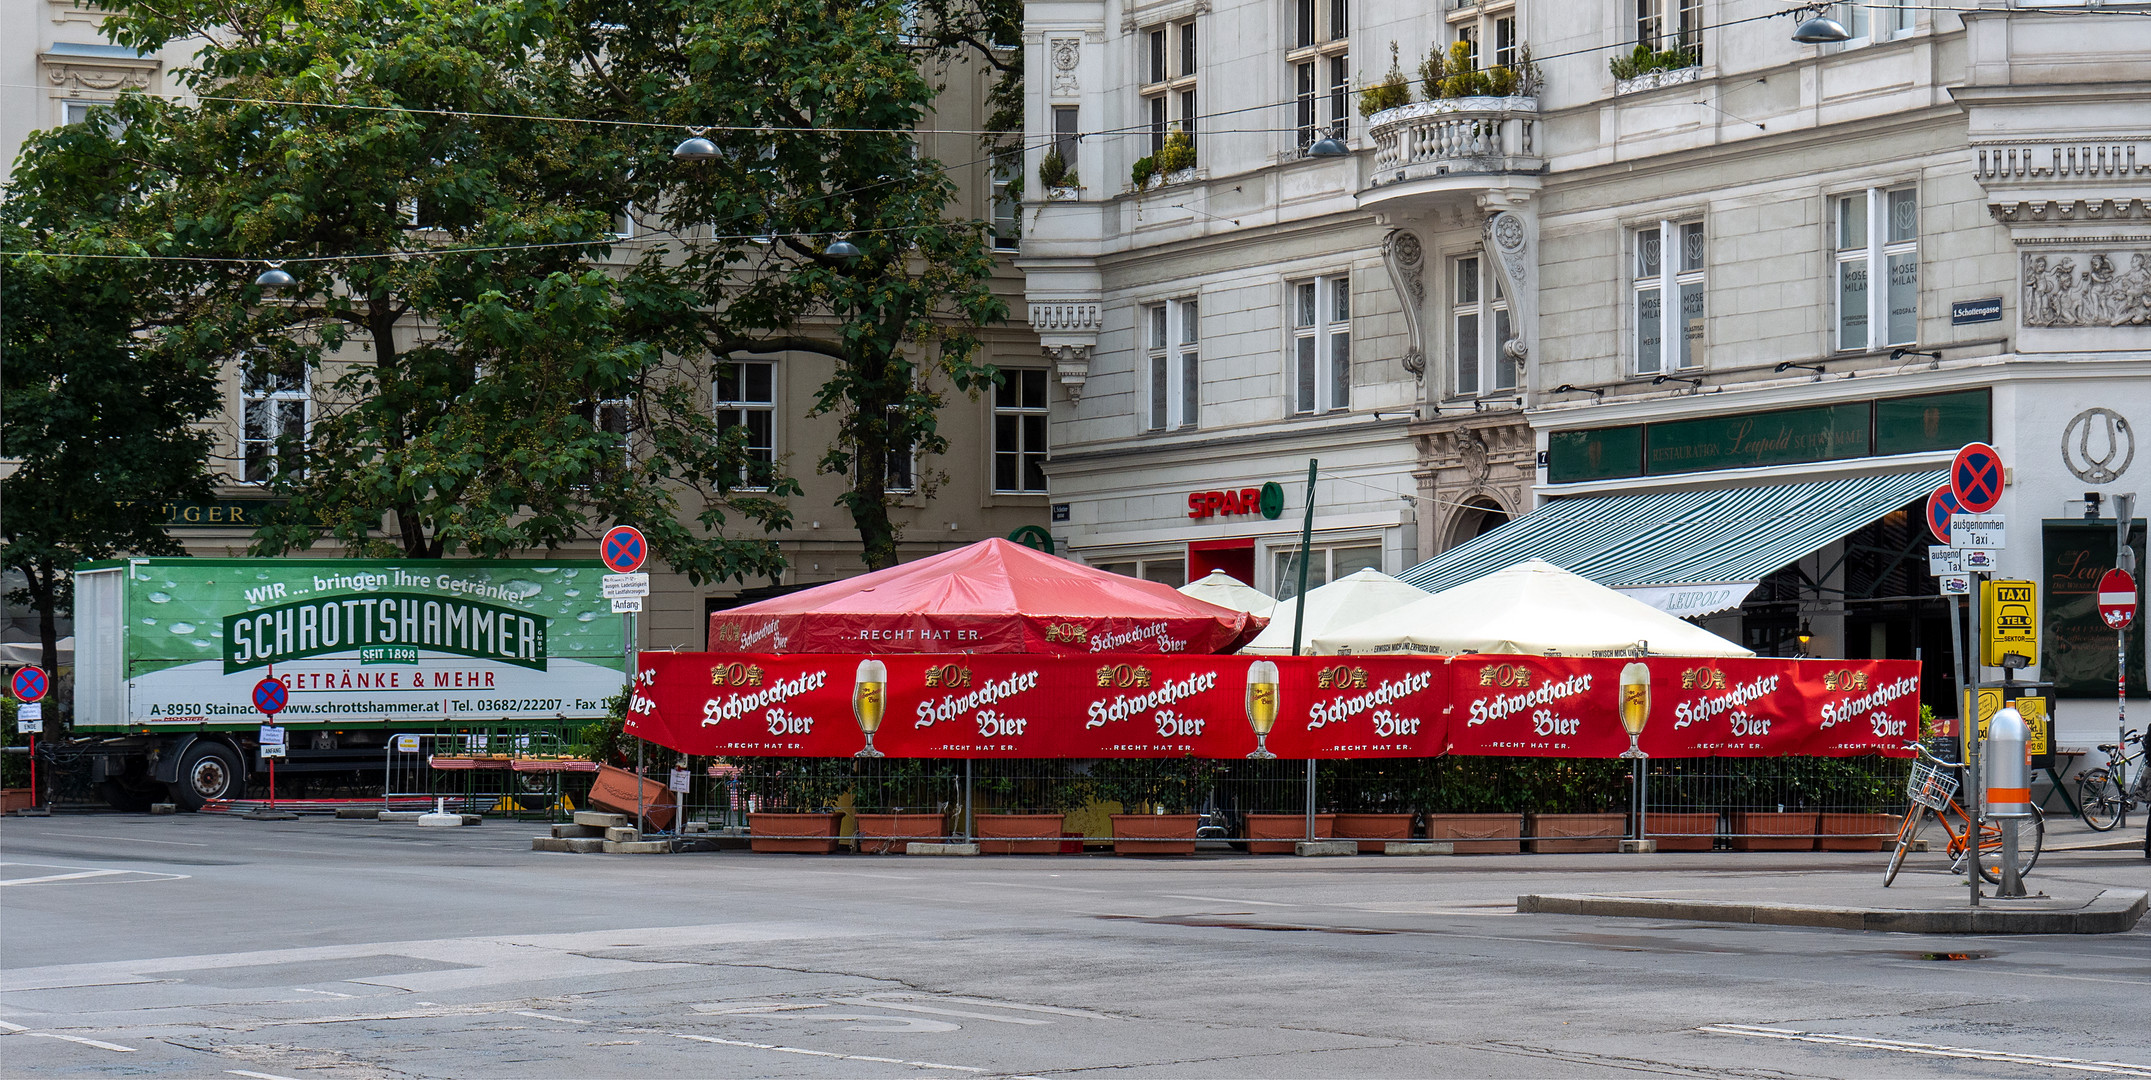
column 1643, row 60
column 1048, row 785
column 1154, row 785
column 103, row 389
column 1141, row 173
column 796, row 785
column 1052, row 171
column 1177, row 154
column 1391, row 93
column 14, row 768
column 605, row 740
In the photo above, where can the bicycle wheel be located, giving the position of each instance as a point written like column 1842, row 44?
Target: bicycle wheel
column 2029, row 843
column 1915, row 818
column 2098, row 796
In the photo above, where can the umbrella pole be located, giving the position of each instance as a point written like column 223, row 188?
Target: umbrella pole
column 1299, row 618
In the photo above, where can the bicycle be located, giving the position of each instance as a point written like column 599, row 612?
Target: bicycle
column 2103, row 795
column 1932, row 789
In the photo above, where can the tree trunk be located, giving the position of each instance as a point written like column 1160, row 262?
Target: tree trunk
column 45, row 590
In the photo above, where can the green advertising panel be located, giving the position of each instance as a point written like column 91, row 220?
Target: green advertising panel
column 1597, row 454
column 1915, row 425
column 2077, row 649
column 1745, row 440
column 1926, row 423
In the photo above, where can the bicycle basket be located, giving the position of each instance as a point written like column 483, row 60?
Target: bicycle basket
column 1929, row 786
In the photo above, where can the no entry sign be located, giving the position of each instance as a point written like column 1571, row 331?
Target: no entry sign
column 2117, row 599
column 270, row 696
column 623, row 549
column 1940, row 506
column 1975, row 477
column 30, row 683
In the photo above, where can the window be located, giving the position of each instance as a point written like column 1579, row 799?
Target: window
column 614, row 417
column 1174, row 354
column 746, row 398
column 1870, row 22
column 1170, row 62
column 1505, row 41
column 1661, row 274
column 1327, row 564
column 1164, row 569
column 1877, row 234
column 1320, row 65
column 1019, row 431
column 623, row 223
column 1664, row 25
column 1007, row 210
column 1065, row 133
column 1321, row 362
column 275, row 403
column 1479, row 317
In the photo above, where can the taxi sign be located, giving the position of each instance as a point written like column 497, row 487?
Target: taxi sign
column 1986, row 531
column 2117, row 599
column 2012, row 624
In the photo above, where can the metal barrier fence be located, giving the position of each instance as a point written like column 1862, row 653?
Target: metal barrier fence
column 503, row 771
column 1692, row 803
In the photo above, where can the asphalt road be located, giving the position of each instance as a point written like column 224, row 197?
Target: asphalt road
column 200, row 946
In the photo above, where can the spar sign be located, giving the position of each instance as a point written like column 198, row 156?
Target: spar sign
column 354, row 641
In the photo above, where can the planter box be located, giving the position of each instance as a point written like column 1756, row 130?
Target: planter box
column 614, row 790
column 1681, row 830
column 1154, row 834
column 886, row 834
column 1018, row 834
column 809, row 834
column 15, row 798
column 1765, row 830
column 1569, row 834
column 1478, row 834
column 1277, row 834
column 1856, row 832
column 1373, row 830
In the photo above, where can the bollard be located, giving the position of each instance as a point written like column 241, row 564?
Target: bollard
column 2008, row 790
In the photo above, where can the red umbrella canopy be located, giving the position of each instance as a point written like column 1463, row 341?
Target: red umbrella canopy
column 990, row 597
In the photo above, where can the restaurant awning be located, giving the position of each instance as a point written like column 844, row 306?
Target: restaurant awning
column 1686, row 553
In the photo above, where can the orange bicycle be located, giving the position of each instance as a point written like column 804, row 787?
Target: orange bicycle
column 1932, row 789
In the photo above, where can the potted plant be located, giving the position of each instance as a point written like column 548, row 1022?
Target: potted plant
column 1374, row 800
column 1683, row 817
column 1157, row 797
column 1644, row 60
column 1030, row 801
column 1574, row 806
column 1054, row 176
column 1177, row 158
column 791, row 803
column 1142, row 172
column 1475, row 804
column 1393, row 92
column 1280, row 834
column 1854, row 793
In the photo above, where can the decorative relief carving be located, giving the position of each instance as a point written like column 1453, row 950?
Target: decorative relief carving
column 2087, row 289
column 1406, row 259
column 1508, row 238
column 1066, row 53
column 2053, row 161
column 1066, row 316
column 2092, row 443
column 98, row 77
column 1656, row 80
column 2056, row 211
column 1071, row 364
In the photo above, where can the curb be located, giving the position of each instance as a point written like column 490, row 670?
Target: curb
column 2112, row 911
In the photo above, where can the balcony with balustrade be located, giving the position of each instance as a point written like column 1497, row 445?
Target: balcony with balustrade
column 1431, row 154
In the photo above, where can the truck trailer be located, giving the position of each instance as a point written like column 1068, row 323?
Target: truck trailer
column 169, row 651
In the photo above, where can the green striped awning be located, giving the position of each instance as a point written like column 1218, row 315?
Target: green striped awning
column 1684, row 552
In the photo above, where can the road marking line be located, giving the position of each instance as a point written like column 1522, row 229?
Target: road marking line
column 550, row 1016
column 323, row 993
column 62, row 877
column 256, row 1075
column 2122, row 1068
column 940, row 1012
column 12, row 1028
column 83, row 1041
column 820, row 1053
column 1224, row 900
column 134, row 839
column 1054, row 1009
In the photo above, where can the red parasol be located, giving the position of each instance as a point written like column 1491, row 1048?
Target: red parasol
column 990, row 597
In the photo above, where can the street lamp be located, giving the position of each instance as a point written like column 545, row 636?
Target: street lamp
column 274, row 278
column 1821, row 30
column 694, row 147
column 1329, row 146
column 842, row 248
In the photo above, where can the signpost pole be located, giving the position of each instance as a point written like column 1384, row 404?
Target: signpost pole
column 33, row 769
column 1299, row 618
column 2125, row 561
column 1971, row 736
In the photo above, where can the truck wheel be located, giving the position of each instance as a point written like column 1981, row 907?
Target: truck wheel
column 210, row 770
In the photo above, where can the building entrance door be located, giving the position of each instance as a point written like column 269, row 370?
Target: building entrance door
column 1235, row 557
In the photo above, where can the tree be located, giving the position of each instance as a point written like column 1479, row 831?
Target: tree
column 495, row 381
column 103, row 400
column 813, row 105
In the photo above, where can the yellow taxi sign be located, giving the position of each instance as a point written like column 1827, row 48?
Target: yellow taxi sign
column 2012, row 621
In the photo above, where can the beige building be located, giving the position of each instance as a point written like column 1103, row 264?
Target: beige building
column 989, row 483
column 1704, row 322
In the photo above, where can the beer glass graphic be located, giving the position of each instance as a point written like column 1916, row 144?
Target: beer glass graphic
column 869, row 700
column 1262, row 704
column 1635, row 705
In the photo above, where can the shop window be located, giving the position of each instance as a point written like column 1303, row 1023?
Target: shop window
column 1173, row 354
column 276, row 405
column 1327, row 564
column 746, row 398
column 1321, row 360
column 1669, row 263
column 1479, row 318
column 1877, row 239
column 1164, row 569
column 1019, row 431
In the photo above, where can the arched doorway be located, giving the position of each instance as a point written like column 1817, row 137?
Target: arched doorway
column 1480, row 515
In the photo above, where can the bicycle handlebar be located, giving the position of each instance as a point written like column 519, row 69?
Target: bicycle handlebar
column 1922, row 751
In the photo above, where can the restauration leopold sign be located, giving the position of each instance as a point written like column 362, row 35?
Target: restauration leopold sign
column 1832, row 432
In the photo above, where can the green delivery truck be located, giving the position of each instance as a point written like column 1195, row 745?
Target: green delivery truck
column 168, row 652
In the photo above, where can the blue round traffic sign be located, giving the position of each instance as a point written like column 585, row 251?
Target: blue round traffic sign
column 1940, row 506
column 270, row 696
column 1975, row 477
column 30, row 683
column 623, row 549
